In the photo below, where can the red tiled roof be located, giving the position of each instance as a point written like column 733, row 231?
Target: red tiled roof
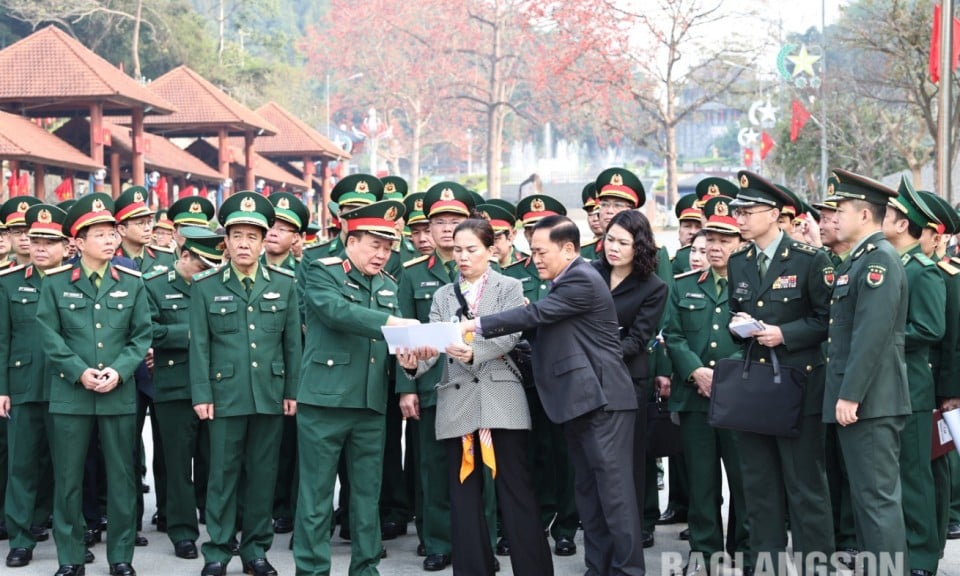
column 206, row 150
column 50, row 73
column 294, row 137
column 203, row 108
column 21, row 139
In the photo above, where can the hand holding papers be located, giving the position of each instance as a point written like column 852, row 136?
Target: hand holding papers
column 744, row 325
column 437, row 335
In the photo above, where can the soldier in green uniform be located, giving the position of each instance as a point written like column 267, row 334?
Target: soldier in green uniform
column 344, row 389
column 589, row 198
column 13, row 212
column 867, row 393
column 169, row 297
column 502, row 221
column 25, row 384
column 419, row 227
column 4, row 242
column 550, row 464
column 163, row 230
column 907, row 216
column 95, row 324
column 189, row 211
column 690, row 219
column 446, row 204
column 697, row 337
column 786, row 285
column 245, row 350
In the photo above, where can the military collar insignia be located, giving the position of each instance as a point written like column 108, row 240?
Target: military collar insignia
column 347, row 267
column 114, row 274
column 171, row 275
column 29, row 272
column 226, row 273
column 76, row 274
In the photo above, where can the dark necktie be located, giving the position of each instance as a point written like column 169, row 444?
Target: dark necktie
column 762, row 258
column 139, row 261
column 721, row 286
column 95, row 280
column 247, row 284
column 451, row 267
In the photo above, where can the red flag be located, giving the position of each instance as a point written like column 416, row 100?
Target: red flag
column 23, row 186
column 766, row 145
column 12, row 185
column 64, row 190
column 748, row 157
column 934, row 61
column 161, row 190
column 798, row 119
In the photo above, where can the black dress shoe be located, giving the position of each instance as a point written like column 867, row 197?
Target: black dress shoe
column 185, row 549
column 390, row 530
column 259, row 567
column 953, row 530
column 383, row 552
column 235, row 546
column 647, row 539
column 145, row 488
column 19, row 557
column 202, row 516
column 214, row 569
column 565, row 546
column 436, row 562
column 140, row 540
column 88, row 556
column 671, row 516
column 91, row 537
column 503, row 547
column 122, row 569
column 282, row 525
column 153, row 520
column 162, row 524
column 421, row 550
column 71, row 570
column 102, row 526
column 684, row 534
column 39, row 534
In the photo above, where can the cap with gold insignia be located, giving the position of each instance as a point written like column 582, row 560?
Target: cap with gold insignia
column 713, row 186
column 719, row 216
column 448, row 198
column 791, row 208
column 191, row 211
column 132, row 203
column 334, row 210
column 806, row 211
column 290, row 209
column 413, row 205
column 948, row 220
column 96, row 208
column 850, row 186
column 589, row 198
column 534, row 208
column 162, row 222
column 45, row 221
column 311, row 236
column 378, row 219
column 205, row 243
column 909, row 203
column 246, row 207
column 622, row 184
column 687, row 208
column 505, row 204
column 12, row 211
column 757, row 190
column 67, row 204
column 394, row 188
column 501, row 220
column 356, row 190
column 827, row 203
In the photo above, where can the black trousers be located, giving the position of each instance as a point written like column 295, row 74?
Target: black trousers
column 520, row 511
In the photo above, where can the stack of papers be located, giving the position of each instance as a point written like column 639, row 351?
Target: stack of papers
column 744, row 327
column 437, row 335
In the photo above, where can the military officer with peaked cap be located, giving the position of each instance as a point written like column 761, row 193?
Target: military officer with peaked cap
column 866, row 392
column 786, row 285
column 502, row 221
column 25, row 383
column 95, row 325
column 343, row 391
column 168, row 293
column 13, row 213
column 394, row 188
column 690, row 219
column 904, row 226
column 419, row 242
column 245, row 350
column 190, row 211
column 588, row 197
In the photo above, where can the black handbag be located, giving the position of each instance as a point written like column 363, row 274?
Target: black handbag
column 759, row 397
column 663, row 436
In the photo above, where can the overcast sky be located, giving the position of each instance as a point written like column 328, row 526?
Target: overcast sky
column 796, row 15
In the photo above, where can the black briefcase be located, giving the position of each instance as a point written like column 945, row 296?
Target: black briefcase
column 663, row 436
column 759, row 397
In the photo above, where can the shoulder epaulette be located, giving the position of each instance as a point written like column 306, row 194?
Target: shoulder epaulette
column 12, row 269
column 129, row 271
column 416, row 260
column 395, row 250
column 281, row 270
column 923, row 259
column 312, row 247
column 685, row 274
column 746, row 246
column 520, row 263
column 330, row 260
column 589, row 243
column 209, row 273
column 59, row 269
column 805, row 248
column 948, row 268
column 154, row 274
column 388, row 275
column 161, row 249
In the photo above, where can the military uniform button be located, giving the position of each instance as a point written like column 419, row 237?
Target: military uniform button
column 809, row 368
column 254, row 364
column 763, row 360
column 252, row 327
column 691, row 306
column 223, row 310
column 174, row 306
column 17, row 363
column 760, row 304
column 716, row 326
column 273, row 308
column 98, row 325
column 100, row 365
column 72, row 306
column 249, row 308
column 428, row 296
column 828, row 359
column 713, row 363
column 373, row 360
column 786, row 299
column 253, row 345
column 61, row 375
column 713, row 344
column 543, row 286
column 95, row 306
column 829, row 340
column 831, row 320
column 24, row 301
column 717, row 310
column 99, row 344
column 169, row 362
column 219, row 375
column 329, row 362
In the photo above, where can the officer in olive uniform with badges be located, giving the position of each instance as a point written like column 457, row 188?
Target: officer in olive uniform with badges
column 502, row 221
column 903, row 226
column 343, row 393
column 349, row 193
column 287, row 230
column 697, row 337
column 588, row 197
column 446, row 205
column 25, row 384
column 419, row 227
column 13, row 213
column 867, row 393
column 95, row 324
column 245, row 350
column 786, row 285
column 169, row 297
column 163, row 230
column 690, row 219
column 190, row 211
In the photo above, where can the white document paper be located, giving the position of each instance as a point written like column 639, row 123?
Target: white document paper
column 952, row 418
column 437, row 335
column 745, row 328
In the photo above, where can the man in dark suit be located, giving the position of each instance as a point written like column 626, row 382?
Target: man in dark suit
column 588, row 390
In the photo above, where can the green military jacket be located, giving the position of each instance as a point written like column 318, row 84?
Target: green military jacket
column 345, row 361
column 290, row 263
column 925, row 324
column 407, row 250
column 25, row 377
column 794, row 295
column 681, row 260
column 245, row 351
column 155, row 258
column 697, row 335
column 335, row 248
column 865, row 352
column 85, row 327
column 169, row 298
column 945, row 356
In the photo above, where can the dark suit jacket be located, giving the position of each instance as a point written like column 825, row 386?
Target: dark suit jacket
column 639, row 303
column 576, row 358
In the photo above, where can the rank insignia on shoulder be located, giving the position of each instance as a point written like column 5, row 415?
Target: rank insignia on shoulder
column 875, row 275
column 129, row 271
column 806, row 248
column 685, row 274
column 948, row 268
column 154, row 274
column 330, row 260
column 417, row 260
column 12, row 269
column 281, row 270
column 59, row 269
column 923, row 259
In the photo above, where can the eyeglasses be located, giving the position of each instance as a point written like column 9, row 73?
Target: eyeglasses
column 743, row 213
column 18, row 231
column 615, row 205
column 139, row 223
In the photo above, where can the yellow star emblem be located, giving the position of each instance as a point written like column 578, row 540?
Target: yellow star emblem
column 803, row 62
